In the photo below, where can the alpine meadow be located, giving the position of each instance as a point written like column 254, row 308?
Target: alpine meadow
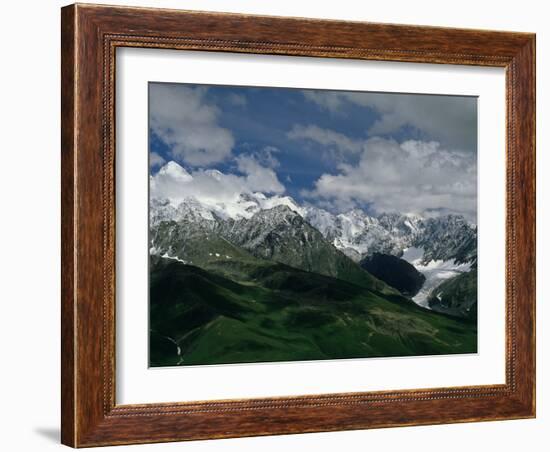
column 295, row 224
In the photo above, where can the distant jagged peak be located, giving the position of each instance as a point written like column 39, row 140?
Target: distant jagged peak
column 190, row 207
column 356, row 232
column 276, row 216
column 174, row 169
column 250, row 197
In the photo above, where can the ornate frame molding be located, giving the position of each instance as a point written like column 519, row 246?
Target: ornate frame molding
column 90, row 37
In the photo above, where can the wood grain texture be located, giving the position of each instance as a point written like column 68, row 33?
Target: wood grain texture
column 90, row 36
column 68, row 244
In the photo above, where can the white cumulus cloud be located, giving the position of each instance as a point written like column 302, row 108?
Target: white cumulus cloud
column 325, row 137
column 409, row 177
column 182, row 118
column 156, row 160
column 451, row 120
column 258, row 177
column 175, row 183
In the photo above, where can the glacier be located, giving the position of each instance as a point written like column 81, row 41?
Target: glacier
column 435, row 271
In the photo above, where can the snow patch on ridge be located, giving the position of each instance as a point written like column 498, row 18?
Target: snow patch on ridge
column 429, row 244
column 175, row 258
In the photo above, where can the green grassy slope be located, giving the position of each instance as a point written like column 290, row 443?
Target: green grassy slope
column 207, row 249
column 248, row 310
column 457, row 296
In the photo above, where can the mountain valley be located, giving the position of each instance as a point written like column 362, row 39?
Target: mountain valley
column 263, row 278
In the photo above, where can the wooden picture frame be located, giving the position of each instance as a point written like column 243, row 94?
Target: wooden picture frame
column 90, row 36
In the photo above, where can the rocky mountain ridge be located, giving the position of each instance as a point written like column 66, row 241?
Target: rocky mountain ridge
column 227, row 235
column 355, row 233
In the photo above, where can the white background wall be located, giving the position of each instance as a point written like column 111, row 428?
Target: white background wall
column 29, row 285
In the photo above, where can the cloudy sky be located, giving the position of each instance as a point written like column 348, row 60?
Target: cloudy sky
column 338, row 150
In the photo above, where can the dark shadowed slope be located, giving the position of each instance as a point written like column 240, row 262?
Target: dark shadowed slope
column 395, row 272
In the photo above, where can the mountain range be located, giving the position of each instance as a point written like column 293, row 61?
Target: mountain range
column 355, row 233
column 263, row 260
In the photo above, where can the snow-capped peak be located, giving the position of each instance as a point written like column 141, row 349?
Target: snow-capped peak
column 355, row 232
column 174, row 169
column 274, row 201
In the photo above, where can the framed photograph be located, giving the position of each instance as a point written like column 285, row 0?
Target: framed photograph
column 281, row 225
